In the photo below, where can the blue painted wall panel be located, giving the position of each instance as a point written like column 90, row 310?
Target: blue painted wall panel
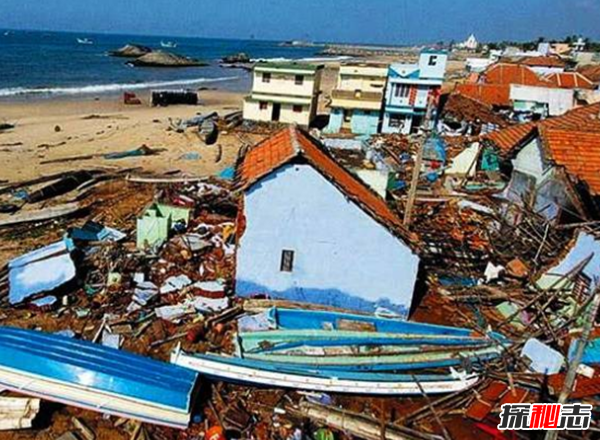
column 363, row 123
column 336, row 119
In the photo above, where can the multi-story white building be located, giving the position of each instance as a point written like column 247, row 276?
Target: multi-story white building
column 284, row 92
column 409, row 89
column 356, row 102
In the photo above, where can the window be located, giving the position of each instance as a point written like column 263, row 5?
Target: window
column 297, row 109
column 299, row 80
column 401, row 91
column 433, row 60
column 396, row 121
column 266, row 77
column 263, row 105
column 287, row 261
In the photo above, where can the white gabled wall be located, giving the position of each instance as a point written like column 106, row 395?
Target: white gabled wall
column 342, row 256
column 548, row 191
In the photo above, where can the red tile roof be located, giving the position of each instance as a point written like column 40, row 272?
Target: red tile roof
column 571, row 141
column 504, row 73
column 292, row 144
column 584, row 118
column 543, row 62
column 580, row 119
column 577, row 151
column 570, row 80
column 467, row 108
column 491, row 94
column 591, row 72
column 511, row 137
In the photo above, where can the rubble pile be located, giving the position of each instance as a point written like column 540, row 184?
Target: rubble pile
column 504, row 300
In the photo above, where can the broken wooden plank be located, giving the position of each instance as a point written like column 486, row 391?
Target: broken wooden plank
column 41, row 215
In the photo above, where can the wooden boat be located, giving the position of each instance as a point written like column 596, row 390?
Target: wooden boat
column 350, row 342
column 268, row 374
column 279, row 340
column 381, row 362
column 95, row 377
column 295, row 319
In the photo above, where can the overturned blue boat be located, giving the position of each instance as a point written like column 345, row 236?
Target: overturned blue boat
column 95, row 377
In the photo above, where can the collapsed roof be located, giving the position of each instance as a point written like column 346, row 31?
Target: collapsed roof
column 571, row 141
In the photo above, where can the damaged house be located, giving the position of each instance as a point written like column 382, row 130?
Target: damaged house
column 555, row 164
column 464, row 115
column 310, row 231
column 410, row 89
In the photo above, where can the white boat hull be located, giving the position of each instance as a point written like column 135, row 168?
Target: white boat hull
column 257, row 377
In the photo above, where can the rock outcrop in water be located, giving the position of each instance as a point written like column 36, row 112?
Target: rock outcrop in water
column 166, row 59
column 238, row 58
column 131, row 51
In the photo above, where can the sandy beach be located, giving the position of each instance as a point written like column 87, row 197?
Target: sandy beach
column 47, row 130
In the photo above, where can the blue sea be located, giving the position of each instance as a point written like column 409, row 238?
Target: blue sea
column 37, row 64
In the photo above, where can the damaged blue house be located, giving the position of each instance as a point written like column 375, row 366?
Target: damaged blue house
column 309, row 230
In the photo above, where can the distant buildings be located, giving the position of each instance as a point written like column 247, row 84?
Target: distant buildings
column 522, row 88
column 541, row 102
column 470, row 43
column 284, row 92
column 544, row 65
column 356, row 101
column 311, row 231
column 409, row 89
column 579, row 45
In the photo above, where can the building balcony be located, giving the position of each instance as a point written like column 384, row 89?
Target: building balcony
column 356, row 99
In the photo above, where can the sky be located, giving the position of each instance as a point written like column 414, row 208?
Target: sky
column 358, row 21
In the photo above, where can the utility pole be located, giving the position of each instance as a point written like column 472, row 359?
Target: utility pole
column 414, row 183
column 574, row 365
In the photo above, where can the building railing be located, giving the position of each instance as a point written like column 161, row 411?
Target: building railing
column 357, row 95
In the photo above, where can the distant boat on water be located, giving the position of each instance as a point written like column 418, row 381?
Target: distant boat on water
column 168, row 44
column 84, row 41
column 7, row 33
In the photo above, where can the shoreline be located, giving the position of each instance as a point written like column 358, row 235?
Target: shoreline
column 108, row 102
column 55, row 129
column 238, row 83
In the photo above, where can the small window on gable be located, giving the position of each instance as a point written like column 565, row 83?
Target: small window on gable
column 299, row 80
column 287, row 261
column 266, row 77
column 297, row 109
column 263, row 105
column 433, row 60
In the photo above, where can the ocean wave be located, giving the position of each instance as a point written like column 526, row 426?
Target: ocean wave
column 107, row 88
